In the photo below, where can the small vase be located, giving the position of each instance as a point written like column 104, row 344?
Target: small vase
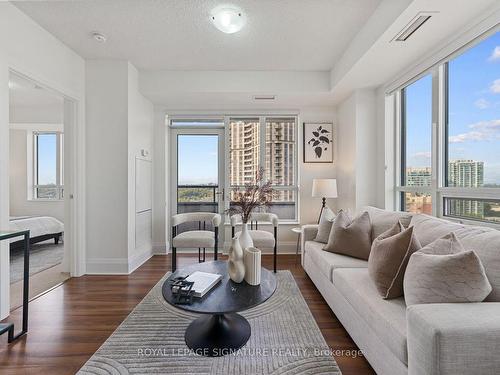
column 252, row 265
column 235, row 265
column 244, row 237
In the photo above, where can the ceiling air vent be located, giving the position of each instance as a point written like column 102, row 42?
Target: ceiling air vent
column 413, row 26
column 264, row 97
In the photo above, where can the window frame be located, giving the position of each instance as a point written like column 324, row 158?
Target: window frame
column 174, row 123
column 33, row 189
column 438, row 190
column 262, row 155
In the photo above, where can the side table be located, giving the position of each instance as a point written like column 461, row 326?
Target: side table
column 298, row 231
column 9, row 327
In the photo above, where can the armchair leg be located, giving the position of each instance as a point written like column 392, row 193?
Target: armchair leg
column 216, row 242
column 174, row 259
column 275, row 247
column 275, row 257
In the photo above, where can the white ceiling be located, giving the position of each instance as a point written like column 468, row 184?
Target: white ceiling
column 178, row 35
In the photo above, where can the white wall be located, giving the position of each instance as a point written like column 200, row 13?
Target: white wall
column 140, row 137
column 357, row 134
column 30, row 50
column 161, row 182
column 119, row 126
column 107, row 166
column 346, row 182
column 20, row 205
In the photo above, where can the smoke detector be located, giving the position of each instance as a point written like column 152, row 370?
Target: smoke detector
column 101, row 38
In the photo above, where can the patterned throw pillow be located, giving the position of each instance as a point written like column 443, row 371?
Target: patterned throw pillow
column 443, row 272
column 389, row 257
column 350, row 237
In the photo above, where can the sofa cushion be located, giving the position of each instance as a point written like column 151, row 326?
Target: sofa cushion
column 429, row 228
column 383, row 220
column 350, row 236
column 326, row 262
column 386, row 317
column 486, row 244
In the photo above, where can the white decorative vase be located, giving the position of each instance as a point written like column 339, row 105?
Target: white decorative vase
column 244, row 237
column 235, row 265
column 252, row 265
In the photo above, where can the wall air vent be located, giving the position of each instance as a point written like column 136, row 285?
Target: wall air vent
column 413, row 26
column 264, row 97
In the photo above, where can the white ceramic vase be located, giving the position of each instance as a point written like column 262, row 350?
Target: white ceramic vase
column 235, row 265
column 244, row 237
column 252, row 265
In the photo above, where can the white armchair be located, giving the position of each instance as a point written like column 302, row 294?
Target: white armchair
column 194, row 238
column 262, row 239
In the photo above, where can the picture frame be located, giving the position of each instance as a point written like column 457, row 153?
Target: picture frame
column 318, row 142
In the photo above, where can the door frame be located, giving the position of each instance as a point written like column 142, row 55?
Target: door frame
column 175, row 132
column 74, row 179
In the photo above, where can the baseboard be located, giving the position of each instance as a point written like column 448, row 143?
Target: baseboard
column 107, row 266
column 160, row 248
column 138, row 259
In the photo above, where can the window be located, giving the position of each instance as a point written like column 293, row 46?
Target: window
column 416, row 146
column 269, row 142
column 454, row 169
column 48, row 166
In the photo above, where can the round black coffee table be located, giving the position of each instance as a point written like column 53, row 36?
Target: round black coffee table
column 221, row 330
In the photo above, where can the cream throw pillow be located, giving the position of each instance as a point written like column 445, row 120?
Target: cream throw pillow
column 443, row 272
column 350, row 237
column 325, row 225
column 389, row 257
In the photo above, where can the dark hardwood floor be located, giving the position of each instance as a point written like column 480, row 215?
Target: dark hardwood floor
column 69, row 323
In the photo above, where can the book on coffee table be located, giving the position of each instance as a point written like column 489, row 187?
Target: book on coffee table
column 203, row 282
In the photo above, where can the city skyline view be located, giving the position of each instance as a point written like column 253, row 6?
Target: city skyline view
column 474, row 111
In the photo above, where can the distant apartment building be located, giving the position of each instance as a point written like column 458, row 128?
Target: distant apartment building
column 279, row 153
column 466, row 173
column 244, row 149
column 419, row 176
column 279, row 164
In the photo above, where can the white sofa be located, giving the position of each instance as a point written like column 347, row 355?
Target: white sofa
column 460, row 338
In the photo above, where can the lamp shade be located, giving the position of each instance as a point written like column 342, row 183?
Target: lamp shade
column 324, row 188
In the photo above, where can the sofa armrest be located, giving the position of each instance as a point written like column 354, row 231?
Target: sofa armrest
column 309, row 232
column 453, row 338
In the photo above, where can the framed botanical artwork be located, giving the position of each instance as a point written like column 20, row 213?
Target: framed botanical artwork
column 318, row 142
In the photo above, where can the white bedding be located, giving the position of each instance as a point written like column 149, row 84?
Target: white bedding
column 37, row 225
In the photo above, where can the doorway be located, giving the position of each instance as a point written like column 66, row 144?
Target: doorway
column 197, row 174
column 37, row 201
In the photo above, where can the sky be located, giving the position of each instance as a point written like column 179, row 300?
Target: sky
column 197, row 159
column 47, row 159
column 474, row 110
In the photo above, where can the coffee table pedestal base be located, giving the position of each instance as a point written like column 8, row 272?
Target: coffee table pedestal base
column 217, row 335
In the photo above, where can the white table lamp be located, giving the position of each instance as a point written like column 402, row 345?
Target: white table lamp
column 324, row 188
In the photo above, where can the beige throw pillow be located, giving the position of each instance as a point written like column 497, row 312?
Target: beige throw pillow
column 389, row 257
column 443, row 272
column 325, row 225
column 350, row 237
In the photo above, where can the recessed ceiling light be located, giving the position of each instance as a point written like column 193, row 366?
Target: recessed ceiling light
column 228, row 19
column 101, row 38
column 264, row 97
